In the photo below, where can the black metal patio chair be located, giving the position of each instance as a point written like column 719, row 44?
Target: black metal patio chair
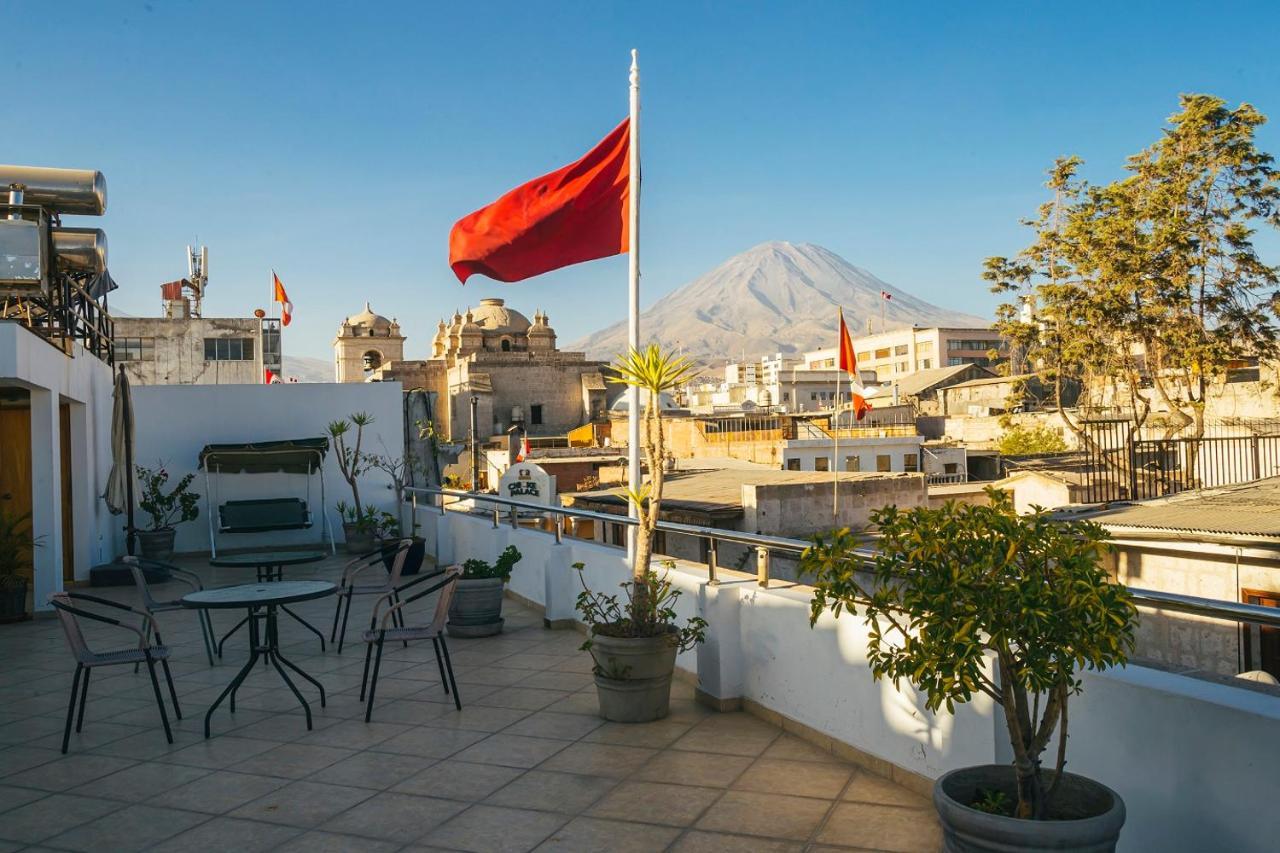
column 385, row 582
column 86, row 659
column 386, row 629
column 139, row 567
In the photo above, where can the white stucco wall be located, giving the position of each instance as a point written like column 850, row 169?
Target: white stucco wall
column 1194, row 761
column 85, row 384
column 175, row 421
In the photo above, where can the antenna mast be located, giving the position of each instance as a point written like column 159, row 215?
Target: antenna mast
column 198, row 275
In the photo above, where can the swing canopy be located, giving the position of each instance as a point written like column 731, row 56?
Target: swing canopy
column 292, row 456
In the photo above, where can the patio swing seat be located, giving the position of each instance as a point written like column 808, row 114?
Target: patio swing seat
column 264, row 514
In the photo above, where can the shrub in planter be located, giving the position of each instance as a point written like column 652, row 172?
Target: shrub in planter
column 634, row 645
column 476, row 609
column 950, row 589
column 16, row 545
column 166, row 508
column 359, row 528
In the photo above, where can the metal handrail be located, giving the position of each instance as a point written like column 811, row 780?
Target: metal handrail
column 1231, row 611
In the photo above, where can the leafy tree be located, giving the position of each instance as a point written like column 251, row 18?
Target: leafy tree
column 1020, row 440
column 949, row 592
column 352, row 463
column 1147, row 288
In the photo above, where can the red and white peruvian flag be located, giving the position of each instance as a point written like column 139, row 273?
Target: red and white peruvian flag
column 885, row 295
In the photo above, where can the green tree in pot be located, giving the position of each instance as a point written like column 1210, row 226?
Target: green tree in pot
column 634, row 643
column 166, row 508
column 359, row 523
column 476, row 609
column 949, row 591
column 16, row 546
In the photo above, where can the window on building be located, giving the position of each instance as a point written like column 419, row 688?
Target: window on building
column 924, row 364
column 228, row 349
column 884, row 462
column 135, row 349
column 950, row 467
column 882, row 353
column 853, row 463
column 971, row 344
column 813, row 395
column 1243, row 370
column 535, row 414
column 924, row 346
column 900, row 349
column 618, row 533
column 980, row 360
column 910, row 462
column 786, row 396
column 822, row 463
column 864, row 356
column 903, row 367
column 793, row 464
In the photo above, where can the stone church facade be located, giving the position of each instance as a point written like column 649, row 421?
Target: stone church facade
column 511, row 365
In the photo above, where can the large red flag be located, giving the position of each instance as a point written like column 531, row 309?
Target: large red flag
column 575, row 214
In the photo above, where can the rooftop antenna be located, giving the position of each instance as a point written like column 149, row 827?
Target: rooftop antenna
column 198, row 275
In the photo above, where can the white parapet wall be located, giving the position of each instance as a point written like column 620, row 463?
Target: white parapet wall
column 1195, row 761
column 174, row 422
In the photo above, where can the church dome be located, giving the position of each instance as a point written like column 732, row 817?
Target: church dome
column 492, row 315
column 366, row 319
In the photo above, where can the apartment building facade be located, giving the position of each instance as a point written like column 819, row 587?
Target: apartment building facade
column 899, row 352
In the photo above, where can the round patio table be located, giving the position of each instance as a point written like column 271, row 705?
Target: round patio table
column 261, row 600
column 270, row 567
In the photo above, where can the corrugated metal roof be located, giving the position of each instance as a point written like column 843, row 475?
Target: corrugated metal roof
column 924, row 380
column 1251, row 509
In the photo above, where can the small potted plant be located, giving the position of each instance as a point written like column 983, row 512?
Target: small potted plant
column 963, row 600
column 476, row 609
column 16, row 545
column 634, row 645
column 359, row 528
column 166, row 508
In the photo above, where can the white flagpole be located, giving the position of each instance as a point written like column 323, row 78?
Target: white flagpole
column 633, row 317
column 835, row 426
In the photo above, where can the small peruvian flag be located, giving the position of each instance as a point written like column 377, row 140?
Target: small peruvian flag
column 885, row 295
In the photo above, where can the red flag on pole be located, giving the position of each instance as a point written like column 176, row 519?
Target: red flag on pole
column 574, row 214
column 286, row 307
column 849, row 363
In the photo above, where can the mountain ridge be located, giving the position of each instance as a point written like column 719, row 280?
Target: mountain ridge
column 774, row 297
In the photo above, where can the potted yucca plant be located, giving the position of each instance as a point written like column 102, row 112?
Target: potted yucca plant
column 634, row 642
column 966, row 600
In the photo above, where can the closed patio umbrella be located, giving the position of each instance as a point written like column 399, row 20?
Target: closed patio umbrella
column 119, row 494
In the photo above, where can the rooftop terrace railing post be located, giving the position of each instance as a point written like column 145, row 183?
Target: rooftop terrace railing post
column 762, row 566
column 558, row 523
column 712, row 558
column 497, row 515
column 515, row 519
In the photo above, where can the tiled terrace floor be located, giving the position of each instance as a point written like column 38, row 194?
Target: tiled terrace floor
column 526, row 765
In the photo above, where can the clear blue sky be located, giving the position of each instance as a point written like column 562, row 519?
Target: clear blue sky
column 337, row 143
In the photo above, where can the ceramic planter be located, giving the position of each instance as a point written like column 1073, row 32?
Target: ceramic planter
column 356, row 541
column 13, row 601
column 633, row 676
column 156, row 544
column 1086, row 815
column 412, row 560
column 476, row 609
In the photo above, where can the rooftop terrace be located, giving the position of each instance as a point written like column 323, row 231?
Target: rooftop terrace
column 527, row 764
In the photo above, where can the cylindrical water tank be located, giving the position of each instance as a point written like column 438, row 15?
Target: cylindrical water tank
column 81, row 249
column 73, row 191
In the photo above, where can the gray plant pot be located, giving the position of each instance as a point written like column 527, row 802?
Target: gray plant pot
column 633, row 676
column 156, row 544
column 356, row 541
column 13, row 601
column 476, row 609
column 1086, row 816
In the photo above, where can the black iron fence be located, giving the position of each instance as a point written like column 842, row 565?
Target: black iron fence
column 1121, row 465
